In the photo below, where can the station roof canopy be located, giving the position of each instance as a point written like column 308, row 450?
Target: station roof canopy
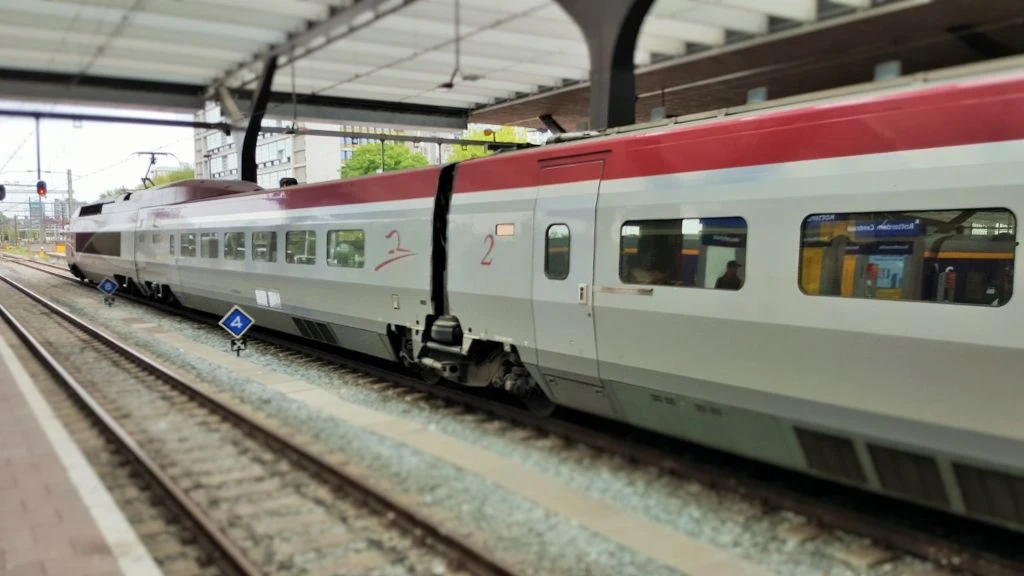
column 385, row 61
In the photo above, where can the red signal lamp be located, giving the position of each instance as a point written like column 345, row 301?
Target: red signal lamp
column 41, row 188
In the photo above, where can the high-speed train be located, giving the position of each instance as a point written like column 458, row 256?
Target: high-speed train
column 824, row 284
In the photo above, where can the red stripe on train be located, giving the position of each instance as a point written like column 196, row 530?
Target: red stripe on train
column 944, row 116
column 405, row 185
column 950, row 115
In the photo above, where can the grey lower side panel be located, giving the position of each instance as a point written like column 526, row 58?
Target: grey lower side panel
column 753, row 422
column 754, row 434
column 965, row 444
column 923, row 393
column 360, row 340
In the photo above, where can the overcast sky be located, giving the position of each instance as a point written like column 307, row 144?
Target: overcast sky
column 98, row 154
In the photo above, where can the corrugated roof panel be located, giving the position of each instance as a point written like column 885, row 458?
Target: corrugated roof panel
column 400, row 50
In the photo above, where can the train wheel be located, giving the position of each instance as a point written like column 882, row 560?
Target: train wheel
column 430, row 376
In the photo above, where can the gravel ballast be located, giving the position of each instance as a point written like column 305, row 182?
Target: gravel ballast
column 530, row 537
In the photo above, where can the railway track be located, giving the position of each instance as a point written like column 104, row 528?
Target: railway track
column 940, row 538
column 265, row 503
column 167, row 535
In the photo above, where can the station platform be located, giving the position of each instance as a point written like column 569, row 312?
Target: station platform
column 56, row 516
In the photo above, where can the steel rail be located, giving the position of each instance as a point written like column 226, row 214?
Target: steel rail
column 228, row 550
column 417, row 526
column 774, row 494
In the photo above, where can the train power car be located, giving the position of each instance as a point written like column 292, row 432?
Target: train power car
column 823, row 285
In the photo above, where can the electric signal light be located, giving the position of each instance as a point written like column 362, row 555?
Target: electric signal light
column 41, row 188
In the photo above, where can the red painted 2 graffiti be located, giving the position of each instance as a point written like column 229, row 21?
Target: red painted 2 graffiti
column 397, row 253
column 486, row 260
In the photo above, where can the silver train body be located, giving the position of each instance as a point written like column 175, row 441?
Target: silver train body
column 872, row 337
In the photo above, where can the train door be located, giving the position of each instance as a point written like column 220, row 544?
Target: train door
column 563, row 273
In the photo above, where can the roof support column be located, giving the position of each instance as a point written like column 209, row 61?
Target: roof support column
column 247, row 156
column 611, row 28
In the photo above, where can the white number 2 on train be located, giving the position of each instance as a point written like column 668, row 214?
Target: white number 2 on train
column 486, row 260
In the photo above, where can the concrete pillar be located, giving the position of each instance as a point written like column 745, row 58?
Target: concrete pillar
column 611, row 28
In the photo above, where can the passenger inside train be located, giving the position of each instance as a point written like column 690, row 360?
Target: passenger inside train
column 731, row 279
column 688, row 252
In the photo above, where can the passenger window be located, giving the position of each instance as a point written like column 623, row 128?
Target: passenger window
column 170, row 245
column 264, row 246
column 209, row 245
column 346, row 248
column 234, row 245
column 188, row 245
column 300, row 247
column 949, row 256
column 691, row 252
column 556, row 252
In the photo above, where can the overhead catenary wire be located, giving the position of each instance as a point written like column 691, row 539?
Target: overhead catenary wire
column 391, row 64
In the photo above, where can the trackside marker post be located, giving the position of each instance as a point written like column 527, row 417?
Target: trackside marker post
column 108, row 286
column 237, row 323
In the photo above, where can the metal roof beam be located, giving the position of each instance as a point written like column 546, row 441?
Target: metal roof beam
column 90, row 90
column 333, row 108
column 187, row 98
column 228, row 128
column 799, row 10
column 338, row 17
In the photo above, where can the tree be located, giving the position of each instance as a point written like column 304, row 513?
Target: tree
column 113, row 193
column 502, row 134
column 183, row 172
column 366, row 159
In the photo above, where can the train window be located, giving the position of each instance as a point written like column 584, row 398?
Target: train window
column 264, row 246
column 300, row 247
column 958, row 256
column 209, row 245
column 234, row 245
column 556, row 252
column 170, row 245
column 691, row 252
column 188, row 245
column 346, row 248
column 102, row 243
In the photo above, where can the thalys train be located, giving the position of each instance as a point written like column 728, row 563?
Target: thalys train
column 825, row 285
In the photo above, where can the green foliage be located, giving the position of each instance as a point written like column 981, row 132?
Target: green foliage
column 186, row 172
column 503, row 134
column 113, row 193
column 366, row 159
